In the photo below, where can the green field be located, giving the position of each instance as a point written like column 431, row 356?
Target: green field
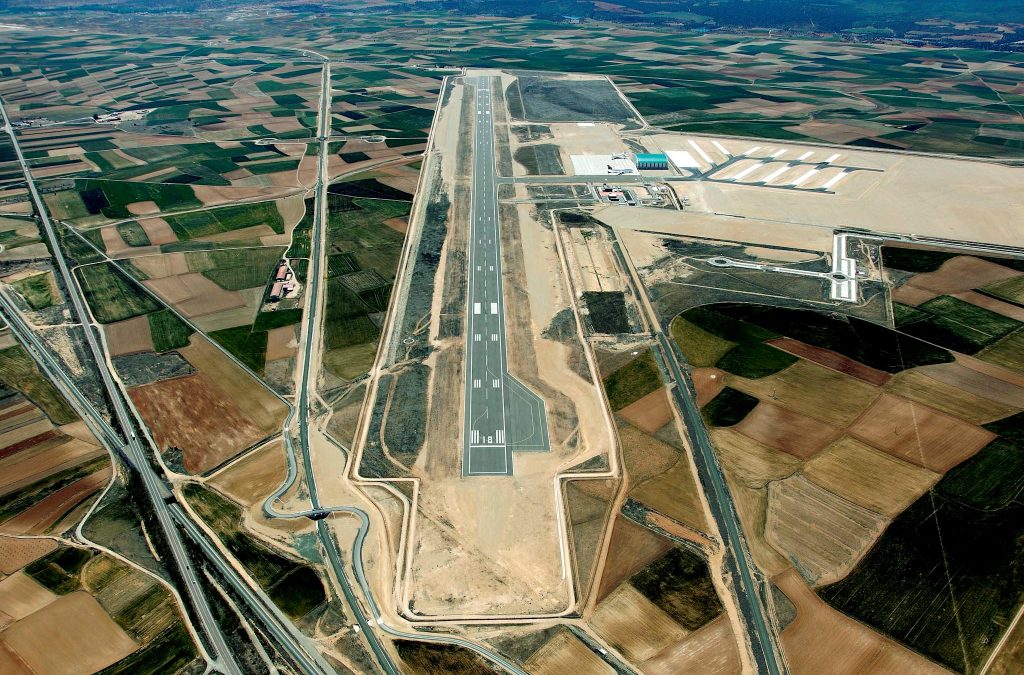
column 168, row 331
column 112, row 297
column 18, row 371
column 226, row 219
column 680, row 584
column 37, row 290
column 955, row 324
column 943, row 577
column 294, row 587
column 247, row 346
column 729, row 407
column 236, row 269
column 703, row 333
column 111, row 198
column 632, row 381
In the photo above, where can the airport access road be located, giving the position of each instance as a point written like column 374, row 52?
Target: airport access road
column 155, row 489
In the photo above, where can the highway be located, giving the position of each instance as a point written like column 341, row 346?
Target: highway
column 750, row 592
column 500, row 413
column 155, row 488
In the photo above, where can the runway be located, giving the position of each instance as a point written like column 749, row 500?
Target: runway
column 502, row 414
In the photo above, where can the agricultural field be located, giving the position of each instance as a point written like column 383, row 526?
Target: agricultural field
column 295, row 587
column 69, row 605
column 842, row 439
column 51, row 467
column 365, row 234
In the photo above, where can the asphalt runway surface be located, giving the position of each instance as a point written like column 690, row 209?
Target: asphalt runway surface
column 502, row 414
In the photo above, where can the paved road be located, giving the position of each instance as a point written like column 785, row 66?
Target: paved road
column 502, row 415
column 749, row 592
column 155, row 488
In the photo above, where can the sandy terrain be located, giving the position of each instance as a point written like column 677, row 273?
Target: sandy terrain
column 821, row 534
column 869, row 477
column 129, row 337
column 16, row 553
column 878, row 201
column 649, row 413
column 69, row 636
column 752, row 229
column 918, row 434
column 634, row 625
column 812, row 390
column 821, row 640
column 20, row 595
column 564, row 653
column 791, row 432
column 191, row 413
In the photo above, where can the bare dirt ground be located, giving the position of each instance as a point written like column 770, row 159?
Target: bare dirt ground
column 649, row 413
column 797, row 434
column 919, row 434
column 70, row 635
column 15, row 553
column 129, row 337
column 190, row 413
column 874, row 200
column 869, row 477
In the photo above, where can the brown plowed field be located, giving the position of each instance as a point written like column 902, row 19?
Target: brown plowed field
column 821, row 640
column 673, row 493
column 831, row 360
column 634, row 625
column 190, row 413
column 47, row 511
column 708, row 383
column 251, row 479
column 254, row 399
column 957, row 275
column 20, row 595
column 752, row 462
column 11, row 663
column 916, row 385
column 632, row 547
column 16, row 553
column 812, row 390
column 869, row 477
column 981, row 379
column 709, row 650
column 823, row 534
column 649, row 413
column 281, row 343
column 129, row 337
column 564, row 653
column 919, row 434
column 69, row 636
column 194, row 295
column 786, row 430
column 158, row 231
column 38, row 462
